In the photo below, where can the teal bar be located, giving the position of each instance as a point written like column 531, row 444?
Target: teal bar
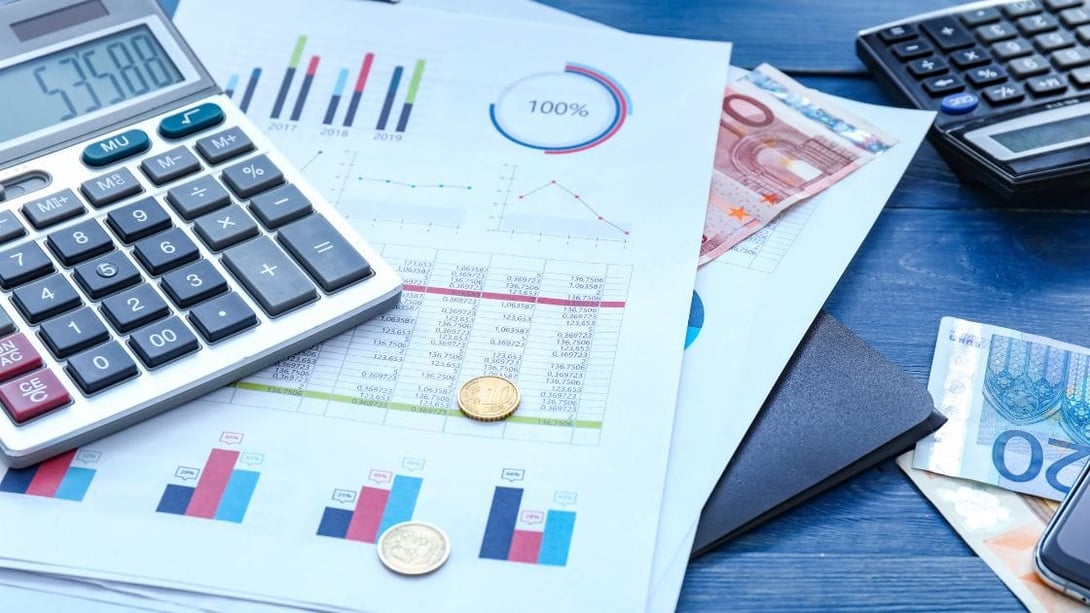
column 236, row 496
column 402, row 501
column 75, row 483
column 557, row 539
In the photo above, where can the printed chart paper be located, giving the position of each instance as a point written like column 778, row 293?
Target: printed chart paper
column 543, row 203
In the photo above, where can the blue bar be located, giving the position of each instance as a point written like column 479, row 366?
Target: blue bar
column 17, row 480
column 388, row 104
column 232, row 83
column 175, row 499
column 334, row 522
column 251, row 85
column 557, row 538
column 342, row 76
column 236, row 496
column 75, row 483
column 282, row 95
column 402, row 501
column 502, row 518
column 335, row 100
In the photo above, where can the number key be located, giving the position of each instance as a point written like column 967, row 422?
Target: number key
column 45, row 298
column 137, row 220
column 164, row 251
column 133, row 308
column 23, row 263
column 79, row 242
column 74, row 332
column 160, row 343
column 106, row 275
column 194, row 283
column 101, row 367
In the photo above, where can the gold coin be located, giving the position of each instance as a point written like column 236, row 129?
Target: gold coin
column 488, row 398
column 413, row 548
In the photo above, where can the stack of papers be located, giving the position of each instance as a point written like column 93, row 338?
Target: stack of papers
column 541, row 189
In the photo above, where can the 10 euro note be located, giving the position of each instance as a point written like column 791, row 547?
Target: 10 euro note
column 1017, row 409
column 779, row 143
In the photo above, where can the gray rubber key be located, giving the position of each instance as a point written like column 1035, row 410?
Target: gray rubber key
column 269, row 275
column 253, row 176
column 198, row 197
column 324, row 252
column 101, row 367
column 279, row 206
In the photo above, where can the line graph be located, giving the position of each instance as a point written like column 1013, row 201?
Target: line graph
column 551, row 208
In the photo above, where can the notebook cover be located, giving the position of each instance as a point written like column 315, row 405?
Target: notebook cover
column 839, row 408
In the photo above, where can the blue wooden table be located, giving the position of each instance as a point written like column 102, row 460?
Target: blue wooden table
column 940, row 247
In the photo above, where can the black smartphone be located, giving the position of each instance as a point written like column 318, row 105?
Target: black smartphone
column 1063, row 553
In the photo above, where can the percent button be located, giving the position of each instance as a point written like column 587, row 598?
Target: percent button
column 253, row 176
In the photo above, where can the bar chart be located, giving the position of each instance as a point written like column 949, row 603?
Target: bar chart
column 394, row 98
column 222, row 491
column 54, row 478
column 376, row 508
column 517, row 534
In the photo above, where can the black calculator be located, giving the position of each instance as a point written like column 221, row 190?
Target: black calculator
column 1010, row 82
column 154, row 245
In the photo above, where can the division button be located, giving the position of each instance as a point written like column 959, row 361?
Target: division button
column 225, row 145
column 198, row 197
column 279, row 206
column 101, row 367
column 33, row 395
column 252, row 176
column 927, row 66
column 221, row 317
column 110, row 188
column 17, row 356
column 115, row 148
column 23, row 263
column 106, row 275
column 74, row 332
column 192, row 120
column 166, row 250
column 53, row 209
column 269, row 275
column 324, row 252
column 162, row 342
column 170, row 165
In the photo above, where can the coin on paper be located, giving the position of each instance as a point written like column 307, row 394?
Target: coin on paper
column 413, row 548
column 488, row 398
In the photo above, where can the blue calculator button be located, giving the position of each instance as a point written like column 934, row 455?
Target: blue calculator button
column 117, row 147
column 192, row 120
column 959, row 104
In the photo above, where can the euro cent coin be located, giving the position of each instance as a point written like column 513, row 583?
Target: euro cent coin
column 488, row 398
column 413, row 548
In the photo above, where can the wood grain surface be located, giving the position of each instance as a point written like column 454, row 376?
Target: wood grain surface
column 941, row 247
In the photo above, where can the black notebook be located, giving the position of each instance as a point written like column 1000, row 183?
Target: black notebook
column 839, row 408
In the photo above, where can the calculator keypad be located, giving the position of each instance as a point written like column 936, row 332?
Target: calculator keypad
column 999, row 57
column 151, row 259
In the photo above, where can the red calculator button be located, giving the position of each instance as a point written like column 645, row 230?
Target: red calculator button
column 32, row 395
column 17, row 356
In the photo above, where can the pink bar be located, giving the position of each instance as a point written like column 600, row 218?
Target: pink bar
column 571, row 303
column 209, row 490
column 50, row 474
column 414, row 288
column 368, row 515
column 525, row 545
column 365, row 69
column 313, row 67
column 611, row 305
column 449, row 291
column 511, row 297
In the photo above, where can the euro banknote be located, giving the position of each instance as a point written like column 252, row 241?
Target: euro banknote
column 779, row 143
column 1001, row 527
column 1017, row 409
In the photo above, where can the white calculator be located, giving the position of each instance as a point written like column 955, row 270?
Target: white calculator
column 154, row 245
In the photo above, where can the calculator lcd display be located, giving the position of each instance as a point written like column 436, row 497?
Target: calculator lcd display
column 1045, row 135
column 55, row 88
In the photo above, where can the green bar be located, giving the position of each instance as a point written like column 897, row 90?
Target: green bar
column 298, row 53
column 408, row 408
column 415, row 83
